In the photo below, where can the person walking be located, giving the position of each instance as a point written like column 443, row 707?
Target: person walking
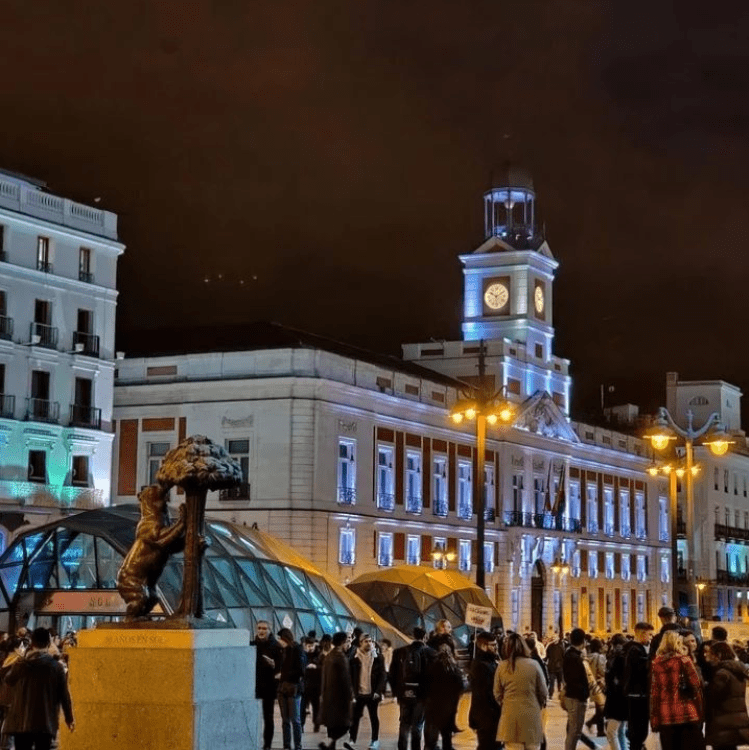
column 337, row 694
column 267, row 666
column 520, row 688
column 676, row 705
column 444, row 686
column 408, row 680
column 615, row 708
column 40, row 691
column 554, row 659
column 597, row 664
column 290, row 688
column 727, row 721
column 577, row 691
column 484, row 713
column 312, row 677
column 636, row 687
column 368, row 678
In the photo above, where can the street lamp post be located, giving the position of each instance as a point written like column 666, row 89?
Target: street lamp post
column 699, row 587
column 561, row 569
column 664, row 431
column 442, row 556
column 483, row 408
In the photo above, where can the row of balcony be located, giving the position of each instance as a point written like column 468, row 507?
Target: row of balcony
column 63, row 497
column 725, row 532
column 46, row 266
column 42, row 410
column 46, row 336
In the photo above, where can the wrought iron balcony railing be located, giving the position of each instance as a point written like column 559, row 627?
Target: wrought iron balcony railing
column 86, row 276
column 413, row 504
column 88, row 341
column 44, row 335
column 592, row 526
column 385, row 501
column 238, row 492
column 44, row 265
column 42, row 410
column 625, row 532
column 6, row 327
column 85, row 416
column 7, row 406
column 723, row 531
column 347, row 495
column 541, row 521
column 439, row 508
column 609, row 529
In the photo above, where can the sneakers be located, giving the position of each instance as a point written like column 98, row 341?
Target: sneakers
column 349, row 745
column 374, row 745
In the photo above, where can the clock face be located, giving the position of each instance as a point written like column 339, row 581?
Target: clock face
column 538, row 299
column 496, row 296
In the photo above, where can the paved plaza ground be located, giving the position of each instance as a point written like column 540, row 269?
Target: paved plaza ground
column 555, row 730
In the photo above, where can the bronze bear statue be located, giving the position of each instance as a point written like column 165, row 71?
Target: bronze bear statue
column 155, row 541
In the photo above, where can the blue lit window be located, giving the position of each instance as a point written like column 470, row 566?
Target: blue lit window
column 347, row 547
column 413, row 550
column 385, row 549
column 413, row 482
column 439, row 484
column 464, row 554
column 465, row 491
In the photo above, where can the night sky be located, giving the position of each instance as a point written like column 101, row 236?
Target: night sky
column 322, row 164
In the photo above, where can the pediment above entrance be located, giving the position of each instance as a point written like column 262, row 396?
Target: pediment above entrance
column 541, row 416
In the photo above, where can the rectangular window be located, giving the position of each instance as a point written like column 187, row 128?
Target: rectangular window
column 642, row 574
column 515, row 608
column 347, row 546
column 640, row 606
column 346, row 472
column 665, row 570
column 488, row 492
column 156, row 453
column 626, row 569
column 413, row 549
column 737, row 518
column 725, row 480
column 592, row 508
column 43, row 312
column 465, row 491
column 664, row 532
column 3, row 303
column 2, row 241
column 625, row 611
column 608, row 511
column 728, row 516
column 557, row 607
column 539, row 495
column 574, row 503
column 574, row 607
column 440, row 560
column 592, row 564
column 576, row 570
column 79, row 475
column 641, row 521
column 735, row 484
column 37, row 466
column 592, row 622
column 610, row 566
column 385, row 477
column 84, row 264
column 385, row 549
column 517, row 493
column 2, row 379
column 439, row 486
column 513, row 386
column 413, row 482
column 716, row 477
column 42, row 254
column 489, row 557
column 239, row 450
column 464, row 555
column 625, row 530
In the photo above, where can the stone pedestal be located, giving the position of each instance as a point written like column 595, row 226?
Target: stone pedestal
column 163, row 690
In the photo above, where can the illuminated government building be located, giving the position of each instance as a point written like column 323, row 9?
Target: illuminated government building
column 353, row 459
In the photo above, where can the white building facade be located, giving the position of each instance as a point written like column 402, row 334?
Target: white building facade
column 57, row 318
column 352, row 458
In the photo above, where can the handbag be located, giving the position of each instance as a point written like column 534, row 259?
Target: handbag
column 685, row 688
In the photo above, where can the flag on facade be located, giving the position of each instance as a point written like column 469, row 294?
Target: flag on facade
column 560, row 500
column 547, row 499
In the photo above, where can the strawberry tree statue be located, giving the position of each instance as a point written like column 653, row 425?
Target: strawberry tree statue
column 197, row 465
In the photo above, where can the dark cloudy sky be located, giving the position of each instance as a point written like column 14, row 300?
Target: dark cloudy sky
column 332, row 156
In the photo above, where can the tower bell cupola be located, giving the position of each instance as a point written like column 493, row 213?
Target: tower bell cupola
column 510, row 208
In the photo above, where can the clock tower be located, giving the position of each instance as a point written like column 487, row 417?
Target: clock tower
column 508, row 279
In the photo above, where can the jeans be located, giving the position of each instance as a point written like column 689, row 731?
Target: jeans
column 555, row 676
column 575, row 720
column 362, row 702
column 268, row 706
column 290, row 706
column 638, row 722
column 616, row 734
column 411, row 722
column 32, row 741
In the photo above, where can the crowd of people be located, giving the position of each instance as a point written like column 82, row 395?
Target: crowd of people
column 691, row 693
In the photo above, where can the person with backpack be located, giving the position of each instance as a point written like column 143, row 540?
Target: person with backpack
column 408, row 680
column 444, row 688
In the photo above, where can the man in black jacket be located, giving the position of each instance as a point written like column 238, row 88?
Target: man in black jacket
column 267, row 665
column 577, row 691
column 668, row 622
column 408, row 679
column 290, row 688
column 483, row 716
column 554, row 659
column 368, row 679
column 636, row 686
column 40, row 689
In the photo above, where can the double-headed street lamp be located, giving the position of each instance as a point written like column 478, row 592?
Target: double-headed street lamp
column 442, row 556
column 664, row 433
column 485, row 408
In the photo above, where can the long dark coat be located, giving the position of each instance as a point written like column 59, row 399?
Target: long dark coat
column 336, row 695
column 485, row 711
column 727, row 719
column 616, row 706
column 444, row 688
